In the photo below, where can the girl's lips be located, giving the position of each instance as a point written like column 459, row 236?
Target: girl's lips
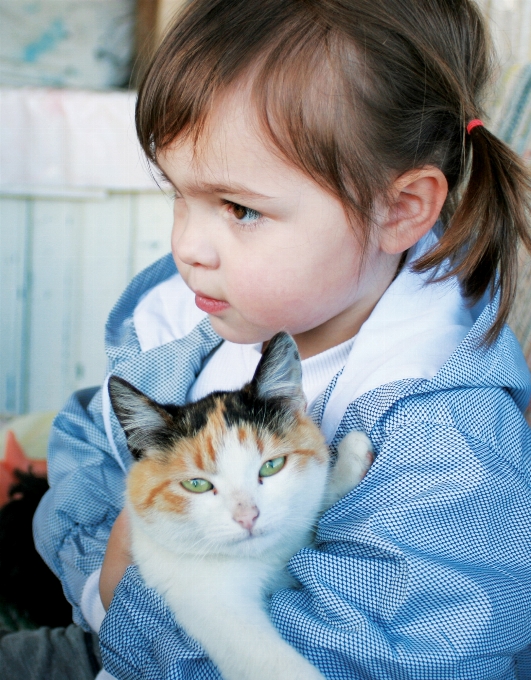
column 210, row 305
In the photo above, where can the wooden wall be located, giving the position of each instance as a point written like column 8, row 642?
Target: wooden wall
column 510, row 22
column 64, row 262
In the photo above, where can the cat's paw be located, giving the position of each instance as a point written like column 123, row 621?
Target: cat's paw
column 355, row 456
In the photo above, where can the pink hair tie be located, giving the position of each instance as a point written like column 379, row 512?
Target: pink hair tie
column 474, row 123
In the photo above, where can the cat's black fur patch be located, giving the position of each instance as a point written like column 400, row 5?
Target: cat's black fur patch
column 268, row 402
column 189, row 420
column 245, row 407
column 239, row 408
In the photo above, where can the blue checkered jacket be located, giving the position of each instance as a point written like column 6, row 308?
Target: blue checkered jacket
column 422, row 571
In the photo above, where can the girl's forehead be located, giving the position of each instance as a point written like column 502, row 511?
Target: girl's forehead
column 231, row 151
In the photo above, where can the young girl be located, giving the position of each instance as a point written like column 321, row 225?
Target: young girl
column 332, row 178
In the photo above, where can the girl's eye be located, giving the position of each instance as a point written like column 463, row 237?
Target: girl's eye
column 243, row 214
column 271, row 467
column 197, row 485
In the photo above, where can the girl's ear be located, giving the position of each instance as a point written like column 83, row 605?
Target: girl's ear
column 415, row 202
column 279, row 373
column 147, row 425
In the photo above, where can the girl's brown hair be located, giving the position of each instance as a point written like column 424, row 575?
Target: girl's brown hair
column 354, row 92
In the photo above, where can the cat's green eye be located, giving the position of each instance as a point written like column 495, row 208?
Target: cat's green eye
column 271, row 467
column 197, row 485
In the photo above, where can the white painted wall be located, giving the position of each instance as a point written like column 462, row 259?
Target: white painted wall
column 510, row 22
column 63, row 264
column 80, row 214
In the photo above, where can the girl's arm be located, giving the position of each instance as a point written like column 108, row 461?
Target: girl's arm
column 117, row 558
column 73, row 522
column 424, row 571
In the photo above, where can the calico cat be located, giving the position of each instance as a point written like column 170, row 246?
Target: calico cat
column 224, row 493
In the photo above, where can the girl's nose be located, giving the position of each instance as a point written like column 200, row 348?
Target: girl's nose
column 192, row 244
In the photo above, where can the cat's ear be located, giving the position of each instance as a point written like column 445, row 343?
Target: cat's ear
column 279, row 373
column 147, row 425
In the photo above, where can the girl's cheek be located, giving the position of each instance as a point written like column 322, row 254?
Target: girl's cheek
column 179, row 212
column 175, row 235
column 259, row 286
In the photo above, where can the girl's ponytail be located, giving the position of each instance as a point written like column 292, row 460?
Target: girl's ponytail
column 490, row 219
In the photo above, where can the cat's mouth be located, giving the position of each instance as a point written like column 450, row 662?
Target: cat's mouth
column 250, row 535
column 250, row 544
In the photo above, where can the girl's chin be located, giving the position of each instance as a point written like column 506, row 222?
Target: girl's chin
column 238, row 334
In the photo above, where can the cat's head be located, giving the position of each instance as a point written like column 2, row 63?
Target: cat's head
column 234, row 473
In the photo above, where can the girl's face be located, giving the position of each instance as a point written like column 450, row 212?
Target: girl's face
column 263, row 247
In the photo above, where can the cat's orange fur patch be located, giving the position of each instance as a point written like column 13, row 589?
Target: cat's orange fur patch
column 303, row 457
column 175, row 502
column 305, row 452
column 216, row 418
column 154, row 492
column 198, row 458
column 210, row 449
column 204, row 444
column 307, row 442
column 148, row 485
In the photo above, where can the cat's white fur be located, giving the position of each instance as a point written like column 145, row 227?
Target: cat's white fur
column 216, row 576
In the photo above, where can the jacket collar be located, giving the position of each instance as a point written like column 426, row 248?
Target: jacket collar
column 411, row 333
column 416, row 336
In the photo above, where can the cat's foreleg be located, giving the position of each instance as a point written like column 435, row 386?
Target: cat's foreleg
column 354, row 457
column 220, row 604
column 243, row 643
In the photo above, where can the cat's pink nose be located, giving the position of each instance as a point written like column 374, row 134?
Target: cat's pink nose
column 246, row 515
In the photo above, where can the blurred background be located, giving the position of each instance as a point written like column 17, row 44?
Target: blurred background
column 80, row 213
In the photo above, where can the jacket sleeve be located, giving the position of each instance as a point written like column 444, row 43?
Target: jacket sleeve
column 421, row 572
column 74, row 519
column 140, row 639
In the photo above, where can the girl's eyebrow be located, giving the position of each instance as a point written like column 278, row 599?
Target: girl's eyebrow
column 165, row 177
column 213, row 188
column 233, row 189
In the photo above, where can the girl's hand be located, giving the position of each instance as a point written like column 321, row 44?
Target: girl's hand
column 117, row 558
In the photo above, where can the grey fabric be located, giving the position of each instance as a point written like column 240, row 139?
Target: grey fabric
column 49, row 654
